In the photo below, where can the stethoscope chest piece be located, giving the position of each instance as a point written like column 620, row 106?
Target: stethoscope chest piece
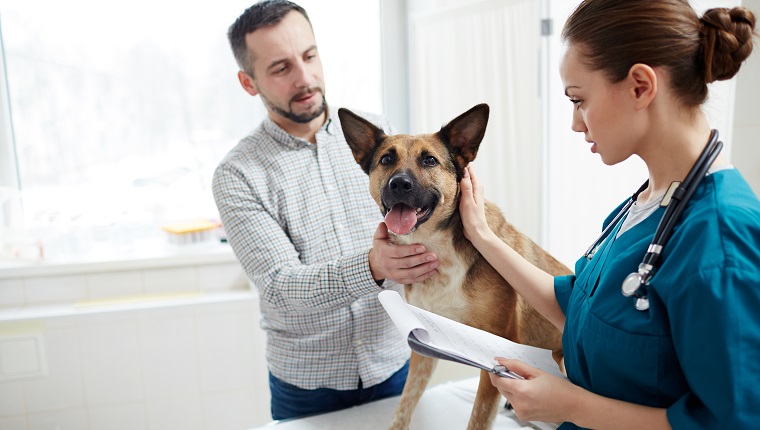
column 631, row 284
column 634, row 283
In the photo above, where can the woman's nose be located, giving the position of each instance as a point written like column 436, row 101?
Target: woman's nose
column 578, row 124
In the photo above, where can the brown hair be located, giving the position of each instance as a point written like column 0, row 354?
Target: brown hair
column 613, row 35
column 262, row 14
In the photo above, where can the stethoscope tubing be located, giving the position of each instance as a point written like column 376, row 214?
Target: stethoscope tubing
column 635, row 284
column 608, row 229
column 681, row 196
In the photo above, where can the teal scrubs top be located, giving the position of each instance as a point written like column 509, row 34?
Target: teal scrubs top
column 696, row 351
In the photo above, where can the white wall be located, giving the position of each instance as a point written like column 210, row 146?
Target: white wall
column 351, row 56
column 745, row 154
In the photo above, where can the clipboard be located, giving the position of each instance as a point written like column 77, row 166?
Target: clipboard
column 439, row 337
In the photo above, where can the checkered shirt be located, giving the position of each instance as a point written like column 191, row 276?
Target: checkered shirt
column 300, row 220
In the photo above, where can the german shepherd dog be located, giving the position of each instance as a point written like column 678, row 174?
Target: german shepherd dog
column 415, row 182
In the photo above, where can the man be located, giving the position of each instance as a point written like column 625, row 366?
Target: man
column 298, row 214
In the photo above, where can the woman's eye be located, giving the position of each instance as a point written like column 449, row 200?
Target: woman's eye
column 576, row 102
column 386, row 160
column 429, row 162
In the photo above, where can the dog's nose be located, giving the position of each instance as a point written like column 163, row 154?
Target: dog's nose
column 401, row 182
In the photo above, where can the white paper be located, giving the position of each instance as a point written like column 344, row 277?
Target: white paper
column 459, row 339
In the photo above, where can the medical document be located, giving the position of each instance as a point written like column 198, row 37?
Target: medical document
column 436, row 336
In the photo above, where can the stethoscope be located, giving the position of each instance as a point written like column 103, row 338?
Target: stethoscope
column 635, row 285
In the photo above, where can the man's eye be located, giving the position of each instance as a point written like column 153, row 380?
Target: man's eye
column 429, row 161
column 279, row 70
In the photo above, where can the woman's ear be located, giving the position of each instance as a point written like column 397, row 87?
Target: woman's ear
column 644, row 84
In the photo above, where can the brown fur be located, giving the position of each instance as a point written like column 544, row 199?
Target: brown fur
column 467, row 288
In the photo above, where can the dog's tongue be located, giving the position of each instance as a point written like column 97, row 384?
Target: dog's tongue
column 401, row 219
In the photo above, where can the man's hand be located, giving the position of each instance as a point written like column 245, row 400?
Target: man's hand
column 404, row 264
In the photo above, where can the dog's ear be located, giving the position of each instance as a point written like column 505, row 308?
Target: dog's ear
column 362, row 136
column 464, row 134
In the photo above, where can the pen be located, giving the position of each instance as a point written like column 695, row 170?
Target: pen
column 505, row 373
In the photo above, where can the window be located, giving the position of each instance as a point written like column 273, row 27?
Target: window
column 121, row 111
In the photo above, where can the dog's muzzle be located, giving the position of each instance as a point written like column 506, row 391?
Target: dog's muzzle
column 406, row 204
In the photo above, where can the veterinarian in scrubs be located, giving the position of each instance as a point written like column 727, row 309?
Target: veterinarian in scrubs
column 636, row 73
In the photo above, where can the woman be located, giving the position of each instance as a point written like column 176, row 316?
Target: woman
column 636, row 72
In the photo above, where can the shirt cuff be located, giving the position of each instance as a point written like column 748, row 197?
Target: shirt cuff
column 357, row 275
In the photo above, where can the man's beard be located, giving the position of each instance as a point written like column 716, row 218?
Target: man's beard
column 303, row 118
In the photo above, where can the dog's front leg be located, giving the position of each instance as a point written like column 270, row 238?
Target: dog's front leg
column 486, row 404
column 420, row 370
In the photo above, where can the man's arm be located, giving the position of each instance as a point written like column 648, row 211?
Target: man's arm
column 272, row 262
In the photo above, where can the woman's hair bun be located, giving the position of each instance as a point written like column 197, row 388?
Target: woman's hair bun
column 726, row 41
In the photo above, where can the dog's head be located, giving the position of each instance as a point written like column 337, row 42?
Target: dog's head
column 415, row 179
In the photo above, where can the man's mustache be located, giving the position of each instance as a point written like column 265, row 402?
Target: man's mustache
column 307, row 92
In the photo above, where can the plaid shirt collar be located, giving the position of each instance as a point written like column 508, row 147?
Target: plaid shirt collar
column 284, row 138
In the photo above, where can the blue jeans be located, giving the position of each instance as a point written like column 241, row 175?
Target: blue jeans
column 289, row 401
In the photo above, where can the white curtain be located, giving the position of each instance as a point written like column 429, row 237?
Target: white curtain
column 485, row 51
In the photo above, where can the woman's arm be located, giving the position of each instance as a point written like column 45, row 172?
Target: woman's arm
column 532, row 283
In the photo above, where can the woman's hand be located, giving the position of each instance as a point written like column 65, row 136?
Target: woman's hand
column 540, row 396
column 544, row 397
column 472, row 207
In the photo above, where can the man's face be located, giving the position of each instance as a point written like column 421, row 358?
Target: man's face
column 287, row 70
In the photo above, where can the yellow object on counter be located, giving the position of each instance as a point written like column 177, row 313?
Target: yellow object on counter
column 188, row 232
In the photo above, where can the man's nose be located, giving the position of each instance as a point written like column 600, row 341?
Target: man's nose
column 302, row 76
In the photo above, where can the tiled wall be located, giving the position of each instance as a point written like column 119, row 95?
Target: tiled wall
column 169, row 362
column 196, row 364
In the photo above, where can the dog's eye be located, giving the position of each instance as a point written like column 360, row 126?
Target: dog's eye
column 429, row 162
column 386, row 160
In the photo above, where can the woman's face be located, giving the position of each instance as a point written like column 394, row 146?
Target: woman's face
column 602, row 111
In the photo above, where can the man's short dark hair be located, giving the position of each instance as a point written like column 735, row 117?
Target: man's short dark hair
column 261, row 14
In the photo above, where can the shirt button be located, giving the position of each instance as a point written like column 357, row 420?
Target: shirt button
column 358, row 342
column 339, row 226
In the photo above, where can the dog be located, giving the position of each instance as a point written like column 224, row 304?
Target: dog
column 415, row 182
